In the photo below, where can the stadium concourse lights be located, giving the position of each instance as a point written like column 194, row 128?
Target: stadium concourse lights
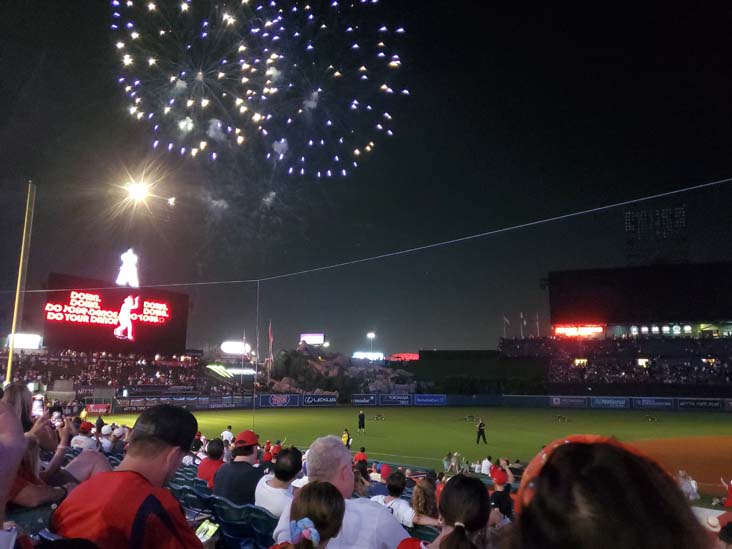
column 25, row 341
column 223, row 371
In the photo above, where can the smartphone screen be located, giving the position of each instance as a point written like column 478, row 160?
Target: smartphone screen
column 206, row 530
column 38, row 408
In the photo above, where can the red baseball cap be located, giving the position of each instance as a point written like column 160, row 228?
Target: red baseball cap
column 85, row 427
column 499, row 476
column 246, row 438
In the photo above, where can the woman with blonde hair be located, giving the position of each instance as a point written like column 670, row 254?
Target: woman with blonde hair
column 19, row 398
column 424, row 499
column 316, row 516
column 34, row 486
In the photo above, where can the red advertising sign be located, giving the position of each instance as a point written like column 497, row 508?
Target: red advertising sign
column 99, row 408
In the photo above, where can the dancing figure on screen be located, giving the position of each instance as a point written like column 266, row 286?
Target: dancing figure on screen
column 128, row 271
column 124, row 317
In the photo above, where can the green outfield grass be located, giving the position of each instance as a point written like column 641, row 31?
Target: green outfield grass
column 421, row 436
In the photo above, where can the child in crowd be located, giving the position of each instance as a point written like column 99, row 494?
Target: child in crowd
column 316, row 516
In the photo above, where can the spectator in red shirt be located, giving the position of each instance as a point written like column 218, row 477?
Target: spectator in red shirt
column 213, row 460
column 129, row 507
column 360, row 456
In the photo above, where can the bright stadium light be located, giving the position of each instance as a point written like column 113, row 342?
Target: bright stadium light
column 137, row 191
column 371, row 336
column 326, row 344
column 25, row 341
column 235, row 348
column 370, row 356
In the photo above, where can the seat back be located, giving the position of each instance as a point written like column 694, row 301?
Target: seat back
column 425, row 533
column 243, row 525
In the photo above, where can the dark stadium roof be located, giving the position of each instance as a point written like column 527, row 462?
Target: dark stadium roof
column 688, row 292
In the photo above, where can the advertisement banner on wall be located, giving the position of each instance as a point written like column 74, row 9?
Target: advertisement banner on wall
column 728, row 404
column 567, row 402
column 279, row 401
column 99, row 408
column 699, row 404
column 319, row 400
column 430, row 400
column 395, row 400
column 363, row 400
column 653, row 403
column 612, row 403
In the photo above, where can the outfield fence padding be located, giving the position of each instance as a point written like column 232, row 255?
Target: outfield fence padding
column 316, row 400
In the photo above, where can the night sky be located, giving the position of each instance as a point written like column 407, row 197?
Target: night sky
column 518, row 112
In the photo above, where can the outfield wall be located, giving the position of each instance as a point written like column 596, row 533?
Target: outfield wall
column 138, row 404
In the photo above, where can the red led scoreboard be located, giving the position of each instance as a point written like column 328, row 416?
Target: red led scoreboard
column 80, row 316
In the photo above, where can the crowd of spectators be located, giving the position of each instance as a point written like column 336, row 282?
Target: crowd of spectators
column 130, row 372
column 637, row 361
column 577, row 492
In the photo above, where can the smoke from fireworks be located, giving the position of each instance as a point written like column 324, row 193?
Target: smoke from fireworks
column 310, row 86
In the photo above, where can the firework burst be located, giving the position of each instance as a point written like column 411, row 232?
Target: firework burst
column 313, row 86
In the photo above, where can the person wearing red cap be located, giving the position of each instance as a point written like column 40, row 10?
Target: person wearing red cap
column 84, row 439
column 237, row 480
column 502, row 478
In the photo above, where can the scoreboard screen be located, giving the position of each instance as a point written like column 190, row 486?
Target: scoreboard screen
column 92, row 315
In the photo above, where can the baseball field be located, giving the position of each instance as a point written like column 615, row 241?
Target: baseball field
column 700, row 442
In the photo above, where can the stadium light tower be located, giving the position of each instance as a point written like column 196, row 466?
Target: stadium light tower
column 137, row 191
column 371, row 336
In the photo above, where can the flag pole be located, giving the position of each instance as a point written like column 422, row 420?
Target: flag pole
column 538, row 332
column 521, row 324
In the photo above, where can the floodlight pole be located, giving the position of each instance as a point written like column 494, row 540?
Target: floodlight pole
column 256, row 363
column 22, row 272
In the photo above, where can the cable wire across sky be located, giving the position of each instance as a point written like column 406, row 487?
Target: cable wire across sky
column 416, row 249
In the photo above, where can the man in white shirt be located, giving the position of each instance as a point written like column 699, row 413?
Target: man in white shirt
column 104, row 441
column 226, row 434
column 402, row 511
column 485, row 466
column 366, row 524
column 274, row 492
column 84, row 440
